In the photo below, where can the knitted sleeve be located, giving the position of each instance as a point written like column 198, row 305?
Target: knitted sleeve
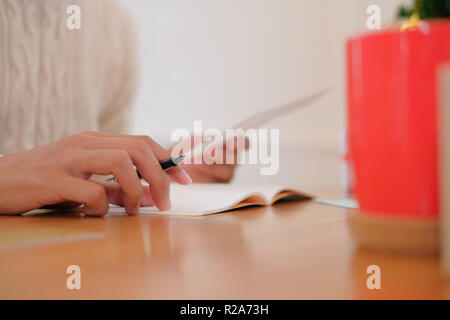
column 116, row 114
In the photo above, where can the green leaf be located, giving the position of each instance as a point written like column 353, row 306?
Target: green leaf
column 427, row 9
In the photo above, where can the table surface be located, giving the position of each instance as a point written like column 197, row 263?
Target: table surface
column 297, row 250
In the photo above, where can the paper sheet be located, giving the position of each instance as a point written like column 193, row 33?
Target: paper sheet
column 343, row 203
column 262, row 117
column 202, row 199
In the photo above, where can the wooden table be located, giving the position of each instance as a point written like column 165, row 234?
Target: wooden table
column 289, row 251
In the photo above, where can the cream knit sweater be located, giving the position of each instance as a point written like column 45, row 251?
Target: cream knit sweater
column 54, row 81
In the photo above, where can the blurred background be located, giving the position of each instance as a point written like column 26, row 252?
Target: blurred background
column 221, row 60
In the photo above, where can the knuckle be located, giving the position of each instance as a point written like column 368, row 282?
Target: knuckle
column 71, row 139
column 96, row 193
column 146, row 139
column 89, row 133
column 140, row 147
column 75, row 140
column 120, row 158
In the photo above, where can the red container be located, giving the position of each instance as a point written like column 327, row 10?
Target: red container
column 392, row 102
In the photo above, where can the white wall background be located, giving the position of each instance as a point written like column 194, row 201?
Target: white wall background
column 220, row 60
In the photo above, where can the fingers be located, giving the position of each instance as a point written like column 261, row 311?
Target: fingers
column 138, row 153
column 212, row 173
column 138, row 143
column 222, row 173
column 146, row 161
column 92, row 195
column 116, row 162
column 115, row 194
column 97, row 194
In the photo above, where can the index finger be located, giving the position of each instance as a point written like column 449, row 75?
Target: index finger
column 177, row 173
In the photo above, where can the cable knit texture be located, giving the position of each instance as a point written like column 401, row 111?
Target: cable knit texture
column 54, row 81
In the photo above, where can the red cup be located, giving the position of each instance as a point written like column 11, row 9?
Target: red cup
column 392, row 110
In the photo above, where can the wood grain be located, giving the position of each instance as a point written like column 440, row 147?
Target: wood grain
column 289, row 251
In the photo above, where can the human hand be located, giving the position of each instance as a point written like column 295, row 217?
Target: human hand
column 61, row 172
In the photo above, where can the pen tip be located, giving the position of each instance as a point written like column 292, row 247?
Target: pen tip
column 179, row 159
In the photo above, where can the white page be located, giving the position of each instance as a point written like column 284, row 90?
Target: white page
column 343, row 203
column 202, row 199
column 262, row 117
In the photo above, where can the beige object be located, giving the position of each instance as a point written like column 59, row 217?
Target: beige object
column 54, row 81
column 395, row 234
column 444, row 117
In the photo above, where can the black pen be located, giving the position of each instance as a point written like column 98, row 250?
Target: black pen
column 171, row 162
column 166, row 164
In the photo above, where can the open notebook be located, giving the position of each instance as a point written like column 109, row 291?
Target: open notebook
column 203, row 199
